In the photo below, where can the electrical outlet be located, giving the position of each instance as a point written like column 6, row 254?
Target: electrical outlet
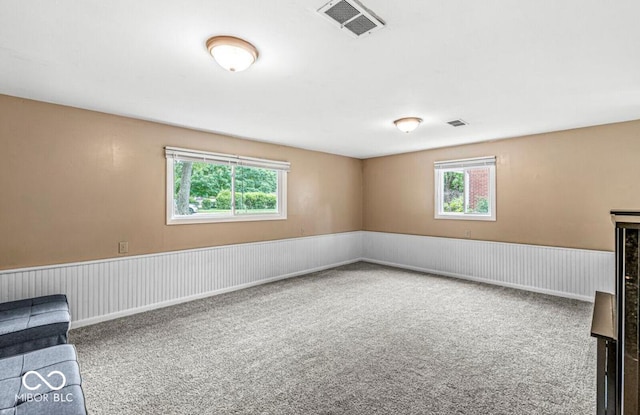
column 467, row 234
column 123, row 247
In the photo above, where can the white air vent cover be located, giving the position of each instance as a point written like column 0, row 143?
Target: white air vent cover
column 351, row 16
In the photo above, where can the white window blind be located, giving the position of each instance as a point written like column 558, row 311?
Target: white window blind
column 205, row 156
column 465, row 163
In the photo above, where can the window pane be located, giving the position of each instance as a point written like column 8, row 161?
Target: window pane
column 201, row 188
column 256, row 190
column 478, row 190
column 214, row 188
column 465, row 189
column 453, row 191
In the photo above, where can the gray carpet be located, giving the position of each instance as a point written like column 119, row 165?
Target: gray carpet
column 359, row 339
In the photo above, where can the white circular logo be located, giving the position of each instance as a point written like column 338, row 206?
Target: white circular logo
column 38, row 375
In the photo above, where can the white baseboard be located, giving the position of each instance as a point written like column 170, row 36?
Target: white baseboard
column 482, row 280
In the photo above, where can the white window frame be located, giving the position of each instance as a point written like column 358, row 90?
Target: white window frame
column 175, row 153
column 441, row 167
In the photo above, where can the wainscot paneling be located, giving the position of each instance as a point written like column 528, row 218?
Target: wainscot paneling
column 572, row 273
column 112, row 288
column 106, row 289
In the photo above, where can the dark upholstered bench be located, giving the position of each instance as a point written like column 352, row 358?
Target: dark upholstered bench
column 32, row 324
column 43, row 382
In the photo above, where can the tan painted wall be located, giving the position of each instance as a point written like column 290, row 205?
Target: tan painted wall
column 552, row 189
column 73, row 183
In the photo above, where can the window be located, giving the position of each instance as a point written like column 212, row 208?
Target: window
column 210, row 187
column 465, row 189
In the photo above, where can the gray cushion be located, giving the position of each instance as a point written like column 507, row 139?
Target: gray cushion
column 47, row 299
column 17, row 399
column 32, row 324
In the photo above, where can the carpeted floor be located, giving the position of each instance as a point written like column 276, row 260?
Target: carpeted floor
column 359, row 339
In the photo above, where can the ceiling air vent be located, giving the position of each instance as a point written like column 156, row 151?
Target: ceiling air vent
column 351, row 16
column 457, row 123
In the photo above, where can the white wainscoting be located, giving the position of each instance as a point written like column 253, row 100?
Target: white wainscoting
column 107, row 289
column 572, row 273
column 112, row 288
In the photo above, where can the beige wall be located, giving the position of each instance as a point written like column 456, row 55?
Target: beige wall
column 552, row 189
column 73, row 183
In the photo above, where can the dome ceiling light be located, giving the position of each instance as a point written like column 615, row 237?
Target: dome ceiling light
column 232, row 53
column 407, row 124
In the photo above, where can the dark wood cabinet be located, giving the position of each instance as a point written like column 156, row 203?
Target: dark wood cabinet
column 627, row 309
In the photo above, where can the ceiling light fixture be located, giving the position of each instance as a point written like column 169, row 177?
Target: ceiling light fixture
column 407, row 124
column 232, row 53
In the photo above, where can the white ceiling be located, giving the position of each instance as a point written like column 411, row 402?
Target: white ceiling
column 508, row 68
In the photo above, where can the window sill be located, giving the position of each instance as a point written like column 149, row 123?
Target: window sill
column 490, row 218
column 189, row 220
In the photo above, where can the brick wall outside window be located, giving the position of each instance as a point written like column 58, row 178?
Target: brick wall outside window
column 478, row 186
